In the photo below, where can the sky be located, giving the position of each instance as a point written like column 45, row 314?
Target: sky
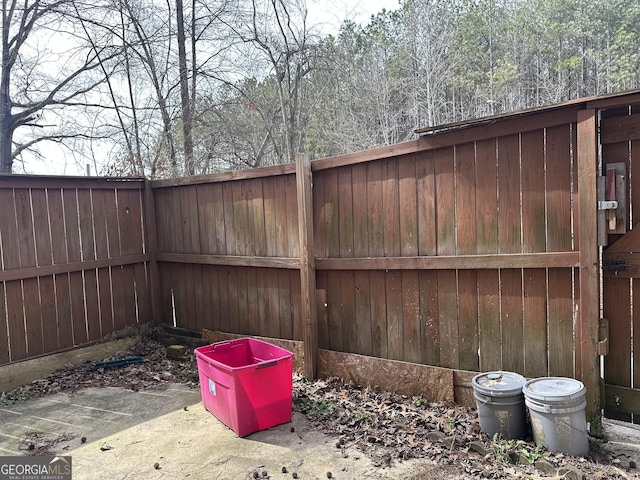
column 333, row 12
column 328, row 15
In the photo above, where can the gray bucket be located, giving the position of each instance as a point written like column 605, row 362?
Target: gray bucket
column 501, row 404
column 556, row 406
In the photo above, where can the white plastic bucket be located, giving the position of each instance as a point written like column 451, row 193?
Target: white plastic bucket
column 501, row 404
column 557, row 410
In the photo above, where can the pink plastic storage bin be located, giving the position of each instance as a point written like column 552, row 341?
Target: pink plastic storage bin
column 246, row 383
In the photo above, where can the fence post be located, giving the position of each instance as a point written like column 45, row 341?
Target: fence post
column 152, row 249
column 588, row 320
column 307, row 265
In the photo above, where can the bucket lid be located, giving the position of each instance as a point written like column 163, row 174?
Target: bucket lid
column 498, row 384
column 554, row 389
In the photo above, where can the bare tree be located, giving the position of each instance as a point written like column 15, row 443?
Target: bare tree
column 43, row 90
column 279, row 30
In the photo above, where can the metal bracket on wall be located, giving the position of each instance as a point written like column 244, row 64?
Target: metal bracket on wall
column 612, row 202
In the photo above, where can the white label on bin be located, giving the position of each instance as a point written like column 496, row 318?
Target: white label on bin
column 212, row 387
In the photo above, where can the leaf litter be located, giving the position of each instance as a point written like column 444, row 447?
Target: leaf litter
column 385, row 426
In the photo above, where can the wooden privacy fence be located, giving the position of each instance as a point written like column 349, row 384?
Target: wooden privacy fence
column 74, row 262
column 471, row 248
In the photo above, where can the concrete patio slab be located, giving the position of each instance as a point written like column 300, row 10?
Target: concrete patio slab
column 168, row 434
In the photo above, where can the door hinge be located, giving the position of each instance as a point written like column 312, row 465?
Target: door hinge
column 614, row 265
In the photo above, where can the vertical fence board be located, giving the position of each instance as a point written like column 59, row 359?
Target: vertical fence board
column 323, row 315
column 560, row 323
column 535, row 323
column 391, row 245
column 558, row 198
column 430, row 318
column 296, row 306
column 512, row 320
column 99, row 219
column 466, row 244
column 166, row 287
column 24, row 222
column 291, row 217
column 393, row 294
column 270, row 215
column 8, row 230
column 74, row 254
column 375, row 247
column 617, row 308
column 486, row 196
column 107, row 241
column 409, row 236
column 90, row 279
column 143, row 295
column 489, row 320
column 225, row 309
column 465, row 200
column 198, row 311
column 333, row 311
column 15, row 320
column 234, row 311
column 64, row 314
column 59, row 255
column 130, row 221
column 468, row 324
column 635, row 212
column 4, row 328
column 217, row 220
column 446, row 245
column 411, row 329
column 558, row 188
column 533, row 206
column 263, row 301
column 487, row 242
column 363, row 319
column 129, row 212
column 252, row 301
column 509, row 220
column 42, row 232
column 408, row 204
column 426, row 204
column 30, row 286
column 32, row 318
column 379, row 335
column 13, row 290
column 121, row 280
column 229, row 221
column 285, row 288
column 448, row 319
column 48, row 314
column 347, row 279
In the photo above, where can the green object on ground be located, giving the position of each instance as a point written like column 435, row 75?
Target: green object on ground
column 118, row 363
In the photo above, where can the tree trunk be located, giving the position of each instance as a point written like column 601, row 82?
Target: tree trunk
column 184, row 92
column 6, row 120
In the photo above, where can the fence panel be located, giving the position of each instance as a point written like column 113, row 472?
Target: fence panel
column 455, row 253
column 70, row 252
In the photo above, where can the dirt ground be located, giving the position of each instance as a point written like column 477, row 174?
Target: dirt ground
column 392, row 431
